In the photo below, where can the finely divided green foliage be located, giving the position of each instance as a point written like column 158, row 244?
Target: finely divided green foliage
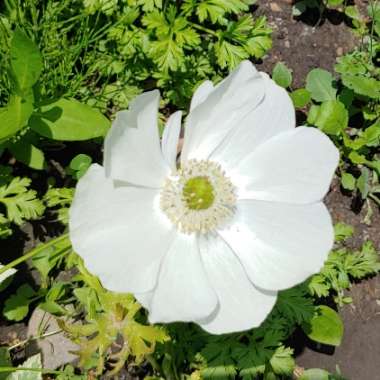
column 179, row 46
column 20, row 202
column 106, row 52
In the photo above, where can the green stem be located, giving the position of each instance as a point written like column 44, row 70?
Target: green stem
column 26, row 341
column 42, row 370
column 32, row 253
column 373, row 7
column 203, row 29
column 374, row 198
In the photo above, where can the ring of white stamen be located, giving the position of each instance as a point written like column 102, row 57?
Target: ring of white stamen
column 176, row 206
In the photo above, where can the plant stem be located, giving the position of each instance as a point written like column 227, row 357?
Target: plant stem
column 33, row 252
column 42, row 370
column 42, row 336
column 374, row 198
column 200, row 27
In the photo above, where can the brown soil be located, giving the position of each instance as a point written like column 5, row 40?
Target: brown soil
column 358, row 355
column 303, row 47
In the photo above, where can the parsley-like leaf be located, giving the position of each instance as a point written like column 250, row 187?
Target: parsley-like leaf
column 20, row 203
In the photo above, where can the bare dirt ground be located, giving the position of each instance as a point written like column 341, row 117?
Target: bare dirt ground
column 304, row 46
column 306, row 43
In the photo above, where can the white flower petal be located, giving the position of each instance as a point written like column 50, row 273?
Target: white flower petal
column 201, row 93
column 241, row 305
column 132, row 151
column 109, row 226
column 145, row 299
column 211, row 120
column 170, row 139
column 295, row 166
column 280, row 245
column 183, row 292
column 275, row 114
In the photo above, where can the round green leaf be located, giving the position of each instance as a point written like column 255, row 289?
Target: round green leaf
column 348, row 181
column 319, row 83
column 80, row 161
column 300, row 97
column 282, row 75
column 326, row 326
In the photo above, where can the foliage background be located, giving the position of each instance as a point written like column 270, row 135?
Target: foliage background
column 91, row 58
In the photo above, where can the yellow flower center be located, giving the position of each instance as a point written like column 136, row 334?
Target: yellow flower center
column 198, row 197
column 198, row 193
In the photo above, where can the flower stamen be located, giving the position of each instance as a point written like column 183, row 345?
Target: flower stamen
column 198, row 197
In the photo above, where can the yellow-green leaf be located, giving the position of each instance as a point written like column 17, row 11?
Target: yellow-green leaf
column 70, row 120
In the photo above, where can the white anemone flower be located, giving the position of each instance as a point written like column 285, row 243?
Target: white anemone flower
column 213, row 237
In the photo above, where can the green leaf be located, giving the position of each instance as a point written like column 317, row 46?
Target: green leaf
column 326, row 326
column 42, row 261
column 357, row 158
column 32, row 362
column 16, row 307
column 300, row 97
column 334, row 3
column 257, row 46
column 26, row 61
column 5, row 361
column 15, row 116
column 229, row 55
column 79, row 165
column 295, row 304
column 362, row 85
column 313, row 114
column 79, row 161
column 70, row 120
column 362, row 263
column 282, row 75
column 214, row 10
column 371, row 136
column 343, row 231
column 282, row 361
column 61, row 200
column 346, row 96
column 5, row 229
column 363, row 183
column 319, row 286
column 28, row 154
column 298, row 8
column 348, row 181
column 319, row 83
column 332, row 117
column 315, row 374
column 353, row 12
column 20, row 203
